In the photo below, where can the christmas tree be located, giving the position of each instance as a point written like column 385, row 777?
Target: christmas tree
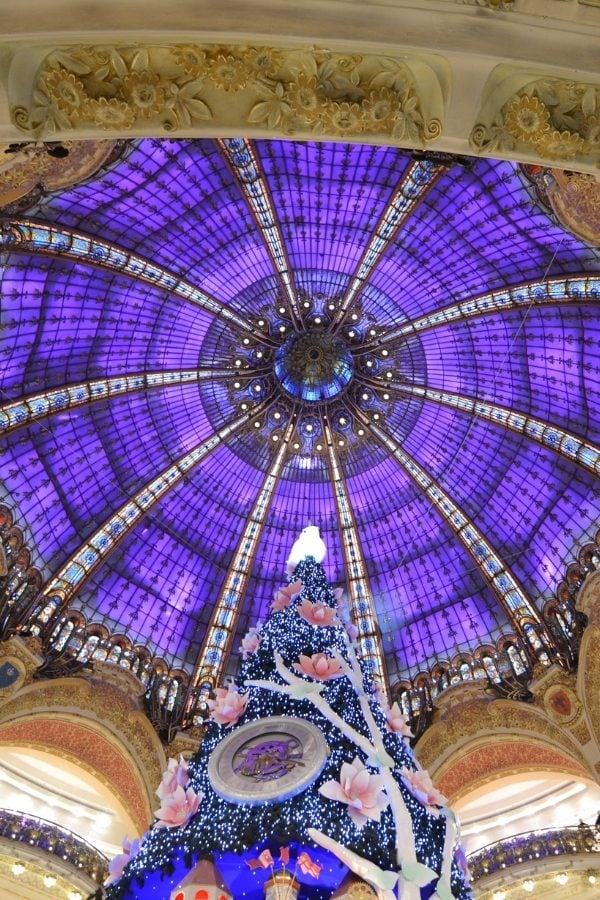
column 305, row 781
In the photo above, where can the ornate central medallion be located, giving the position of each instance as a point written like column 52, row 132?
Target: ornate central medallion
column 267, row 761
column 314, row 366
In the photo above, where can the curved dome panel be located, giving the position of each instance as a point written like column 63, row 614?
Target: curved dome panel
column 420, row 338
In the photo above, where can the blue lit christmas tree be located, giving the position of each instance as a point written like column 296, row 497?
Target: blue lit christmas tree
column 304, row 782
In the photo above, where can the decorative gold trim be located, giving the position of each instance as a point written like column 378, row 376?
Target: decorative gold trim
column 533, row 116
column 224, row 88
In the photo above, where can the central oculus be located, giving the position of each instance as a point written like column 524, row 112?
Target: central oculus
column 313, row 366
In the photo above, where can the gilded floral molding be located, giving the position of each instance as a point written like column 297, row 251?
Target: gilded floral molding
column 535, row 117
column 217, row 89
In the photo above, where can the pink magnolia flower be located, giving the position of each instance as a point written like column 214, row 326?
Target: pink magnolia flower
column 380, row 695
column 118, row 863
column 177, row 808
column 228, row 706
column 284, row 596
column 250, row 643
column 175, row 775
column 397, row 723
column 317, row 613
column 319, row 666
column 352, row 631
column 421, row 787
column 361, row 791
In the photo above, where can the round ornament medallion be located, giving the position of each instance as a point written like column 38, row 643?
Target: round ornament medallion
column 267, row 761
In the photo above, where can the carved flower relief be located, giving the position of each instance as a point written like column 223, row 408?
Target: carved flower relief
column 556, row 119
column 561, row 145
column 526, row 119
column 191, row 59
column 265, row 61
column 115, row 87
column 344, row 118
column 227, row 72
column 145, row 92
column 111, row 114
column 301, row 94
column 66, row 91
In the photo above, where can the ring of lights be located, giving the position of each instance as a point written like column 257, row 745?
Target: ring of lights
column 267, row 761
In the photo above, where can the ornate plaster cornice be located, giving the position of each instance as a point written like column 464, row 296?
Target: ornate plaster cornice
column 491, row 78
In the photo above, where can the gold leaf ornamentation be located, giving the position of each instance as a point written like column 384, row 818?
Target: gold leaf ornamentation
column 186, row 86
column 551, row 118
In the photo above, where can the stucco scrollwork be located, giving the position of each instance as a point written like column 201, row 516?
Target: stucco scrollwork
column 537, row 116
column 98, row 705
column 218, row 89
column 475, row 720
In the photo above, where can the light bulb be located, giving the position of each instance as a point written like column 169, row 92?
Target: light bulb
column 17, row 868
column 528, row 885
column 561, row 878
column 49, row 881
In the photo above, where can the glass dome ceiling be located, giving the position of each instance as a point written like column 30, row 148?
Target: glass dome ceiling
column 213, row 343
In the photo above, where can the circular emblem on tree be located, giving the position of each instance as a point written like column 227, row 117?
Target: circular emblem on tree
column 267, row 761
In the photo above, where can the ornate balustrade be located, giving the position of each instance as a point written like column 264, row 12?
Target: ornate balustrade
column 53, row 839
column 532, row 846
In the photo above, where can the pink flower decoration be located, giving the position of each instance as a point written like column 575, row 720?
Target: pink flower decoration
column 361, row 791
column 317, row 613
column 118, row 863
column 284, row 596
column 319, row 666
column 397, row 723
column 380, row 695
column 177, row 808
column 250, row 643
column 228, row 706
column 352, row 631
column 421, row 787
column 175, row 775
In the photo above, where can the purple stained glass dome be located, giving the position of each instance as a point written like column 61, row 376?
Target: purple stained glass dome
column 159, row 324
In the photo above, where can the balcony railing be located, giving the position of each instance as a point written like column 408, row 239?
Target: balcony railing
column 55, row 840
column 532, row 846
